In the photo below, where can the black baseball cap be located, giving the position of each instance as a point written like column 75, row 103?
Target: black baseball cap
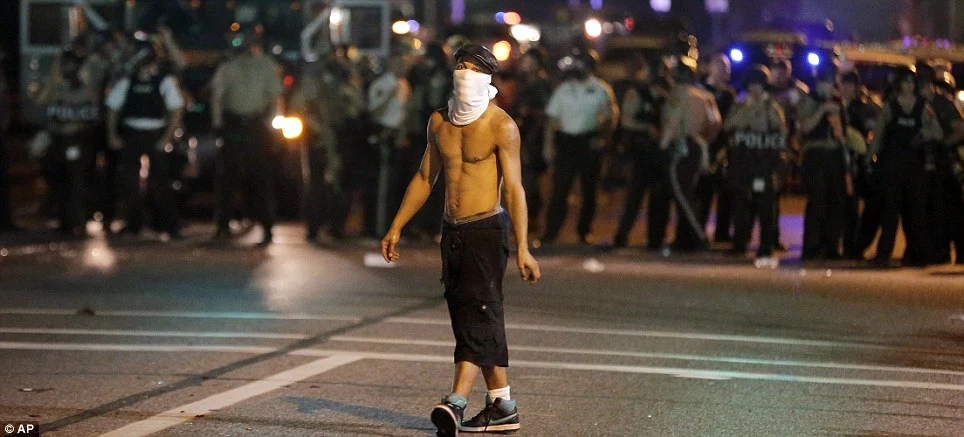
column 478, row 54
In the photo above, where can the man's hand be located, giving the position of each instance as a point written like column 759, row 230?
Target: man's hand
column 390, row 245
column 528, row 267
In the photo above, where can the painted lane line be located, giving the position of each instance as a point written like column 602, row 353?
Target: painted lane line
column 447, row 359
column 108, row 347
column 682, row 357
column 677, row 335
column 181, row 314
column 219, row 401
column 668, row 371
column 129, row 333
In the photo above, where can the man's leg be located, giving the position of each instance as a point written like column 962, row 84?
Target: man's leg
column 589, row 180
column 724, row 211
column 562, row 176
column 500, row 413
column 634, row 200
column 815, row 213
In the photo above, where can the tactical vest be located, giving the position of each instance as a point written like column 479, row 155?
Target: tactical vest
column 144, row 98
column 903, row 126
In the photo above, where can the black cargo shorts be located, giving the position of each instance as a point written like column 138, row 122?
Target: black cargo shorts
column 474, row 259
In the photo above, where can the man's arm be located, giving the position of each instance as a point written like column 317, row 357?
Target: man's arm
column 508, row 146
column 931, row 129
column 714, row 119
column 417, row 193
column 671, row 121
column 628, row 112
column 879, row 129
column 610, row 116
column 174, row 102
column 811, row 114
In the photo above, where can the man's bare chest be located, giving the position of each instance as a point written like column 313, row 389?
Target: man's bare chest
column 468, row 144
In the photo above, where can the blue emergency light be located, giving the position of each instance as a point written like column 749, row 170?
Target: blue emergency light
column 813, row 59
column 736, row 55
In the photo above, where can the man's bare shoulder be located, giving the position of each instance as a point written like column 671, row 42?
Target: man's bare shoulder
column 501, row 123
column 437, row 119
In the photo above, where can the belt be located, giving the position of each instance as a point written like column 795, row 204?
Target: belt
column 473, row 217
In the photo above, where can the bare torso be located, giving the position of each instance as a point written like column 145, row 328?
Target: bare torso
column 470, row 164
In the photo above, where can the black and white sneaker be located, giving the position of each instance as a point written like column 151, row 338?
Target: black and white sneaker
column 447, row 415
column 497, row 416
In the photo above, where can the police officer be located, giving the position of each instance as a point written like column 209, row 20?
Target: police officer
column 71, row 109
column 582, row 116
column 387, row 96
column 529, row 112
column 717, row 83
column 788, row 92
column 640, row 120
column 945, row 209
column 759, row 136
column 313, row 101
column 825, row 167
column 145, row 110
column 691, row 122
column 245, row 94
column 358, row 169
column 860, row 229
column 905, row 125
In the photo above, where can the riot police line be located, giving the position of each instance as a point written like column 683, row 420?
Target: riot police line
column 364, row 132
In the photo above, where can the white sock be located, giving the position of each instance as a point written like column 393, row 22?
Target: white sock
column 500, row 393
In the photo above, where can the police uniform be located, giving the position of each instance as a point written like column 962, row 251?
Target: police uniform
column 650, row 169
column 945, row 209
column 789, row 98
column 248, row 87
column 903, row 175
column 359, row 161
column 529, row 113
column 824, row 177
column 759, row 138
column 312, row 101
column 144, row 104
column 71, row 111
column 861, row 227
column 714, row 183
column 577, row 106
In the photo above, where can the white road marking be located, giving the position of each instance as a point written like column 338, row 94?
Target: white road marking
column 130, row 333
column 676, row 335
column 683, row 357
column 108, row 347
column 219, row 401
column 447, row 359
column 180, row 314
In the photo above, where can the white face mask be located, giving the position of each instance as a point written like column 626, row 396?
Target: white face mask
column 473, row 91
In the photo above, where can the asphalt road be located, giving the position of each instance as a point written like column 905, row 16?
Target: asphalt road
column 191, row 339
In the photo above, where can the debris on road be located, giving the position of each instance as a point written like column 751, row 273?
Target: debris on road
column 592, row 265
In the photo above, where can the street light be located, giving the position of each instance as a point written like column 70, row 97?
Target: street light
column 593, row 28
column 661, row 5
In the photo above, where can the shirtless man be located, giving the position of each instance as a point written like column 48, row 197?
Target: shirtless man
column 691, row 122
column 475, row 144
